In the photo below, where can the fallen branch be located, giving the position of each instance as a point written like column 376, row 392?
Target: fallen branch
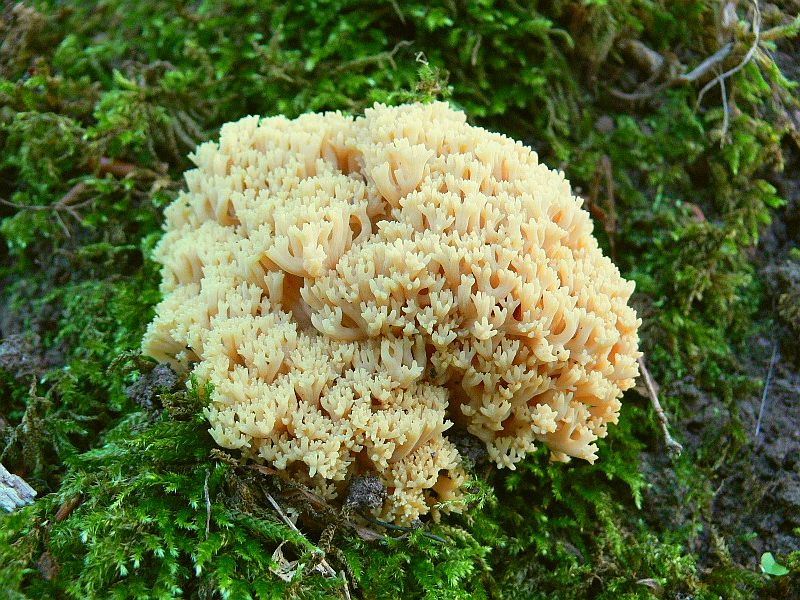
column 673, row 447
column 14, row 491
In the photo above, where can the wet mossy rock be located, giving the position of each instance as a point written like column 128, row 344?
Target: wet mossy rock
column 100, row 104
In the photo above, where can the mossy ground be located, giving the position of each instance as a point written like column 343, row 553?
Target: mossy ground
column 695, row 198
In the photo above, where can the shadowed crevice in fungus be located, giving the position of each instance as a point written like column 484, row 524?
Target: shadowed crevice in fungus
column 352, row 286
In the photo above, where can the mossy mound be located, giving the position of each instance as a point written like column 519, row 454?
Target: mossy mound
column 100, row 103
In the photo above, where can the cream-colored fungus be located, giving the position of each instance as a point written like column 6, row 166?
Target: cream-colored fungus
column 352, row 287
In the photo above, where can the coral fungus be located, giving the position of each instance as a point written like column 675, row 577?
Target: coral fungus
column 352, row 287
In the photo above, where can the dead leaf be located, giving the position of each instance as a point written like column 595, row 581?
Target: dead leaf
column 284, row 569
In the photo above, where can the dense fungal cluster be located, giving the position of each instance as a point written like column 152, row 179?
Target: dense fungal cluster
column 354, row 287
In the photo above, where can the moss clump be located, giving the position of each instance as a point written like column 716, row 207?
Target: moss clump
column 101, row 101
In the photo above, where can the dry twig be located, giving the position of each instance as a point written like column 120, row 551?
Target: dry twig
column 705, row 66
column 346, row 587
column 67, row 507
column 673, row 447
column 377, row 58
column 720, row 79
column 208, row 505
column 68, row 203
column 380, row 523
column 650, row 88
column 607, row 216
column 772, row 362
column 473, row 60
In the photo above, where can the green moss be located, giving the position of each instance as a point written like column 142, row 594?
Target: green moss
column 108, row 97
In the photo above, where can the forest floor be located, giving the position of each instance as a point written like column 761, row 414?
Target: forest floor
column 755, row 503
column 692, row 179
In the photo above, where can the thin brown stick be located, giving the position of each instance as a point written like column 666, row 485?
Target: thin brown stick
column 63, row 203
column 67, row 507
column 116, row 167
column 673, row 447
column 377, row 58
column 68, row 203
column 611, row 223
column 608, row 215
column 71, row 196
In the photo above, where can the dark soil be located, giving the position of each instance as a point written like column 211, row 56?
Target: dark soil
column 759, row 493
column 144, row 391
column 754, row 477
